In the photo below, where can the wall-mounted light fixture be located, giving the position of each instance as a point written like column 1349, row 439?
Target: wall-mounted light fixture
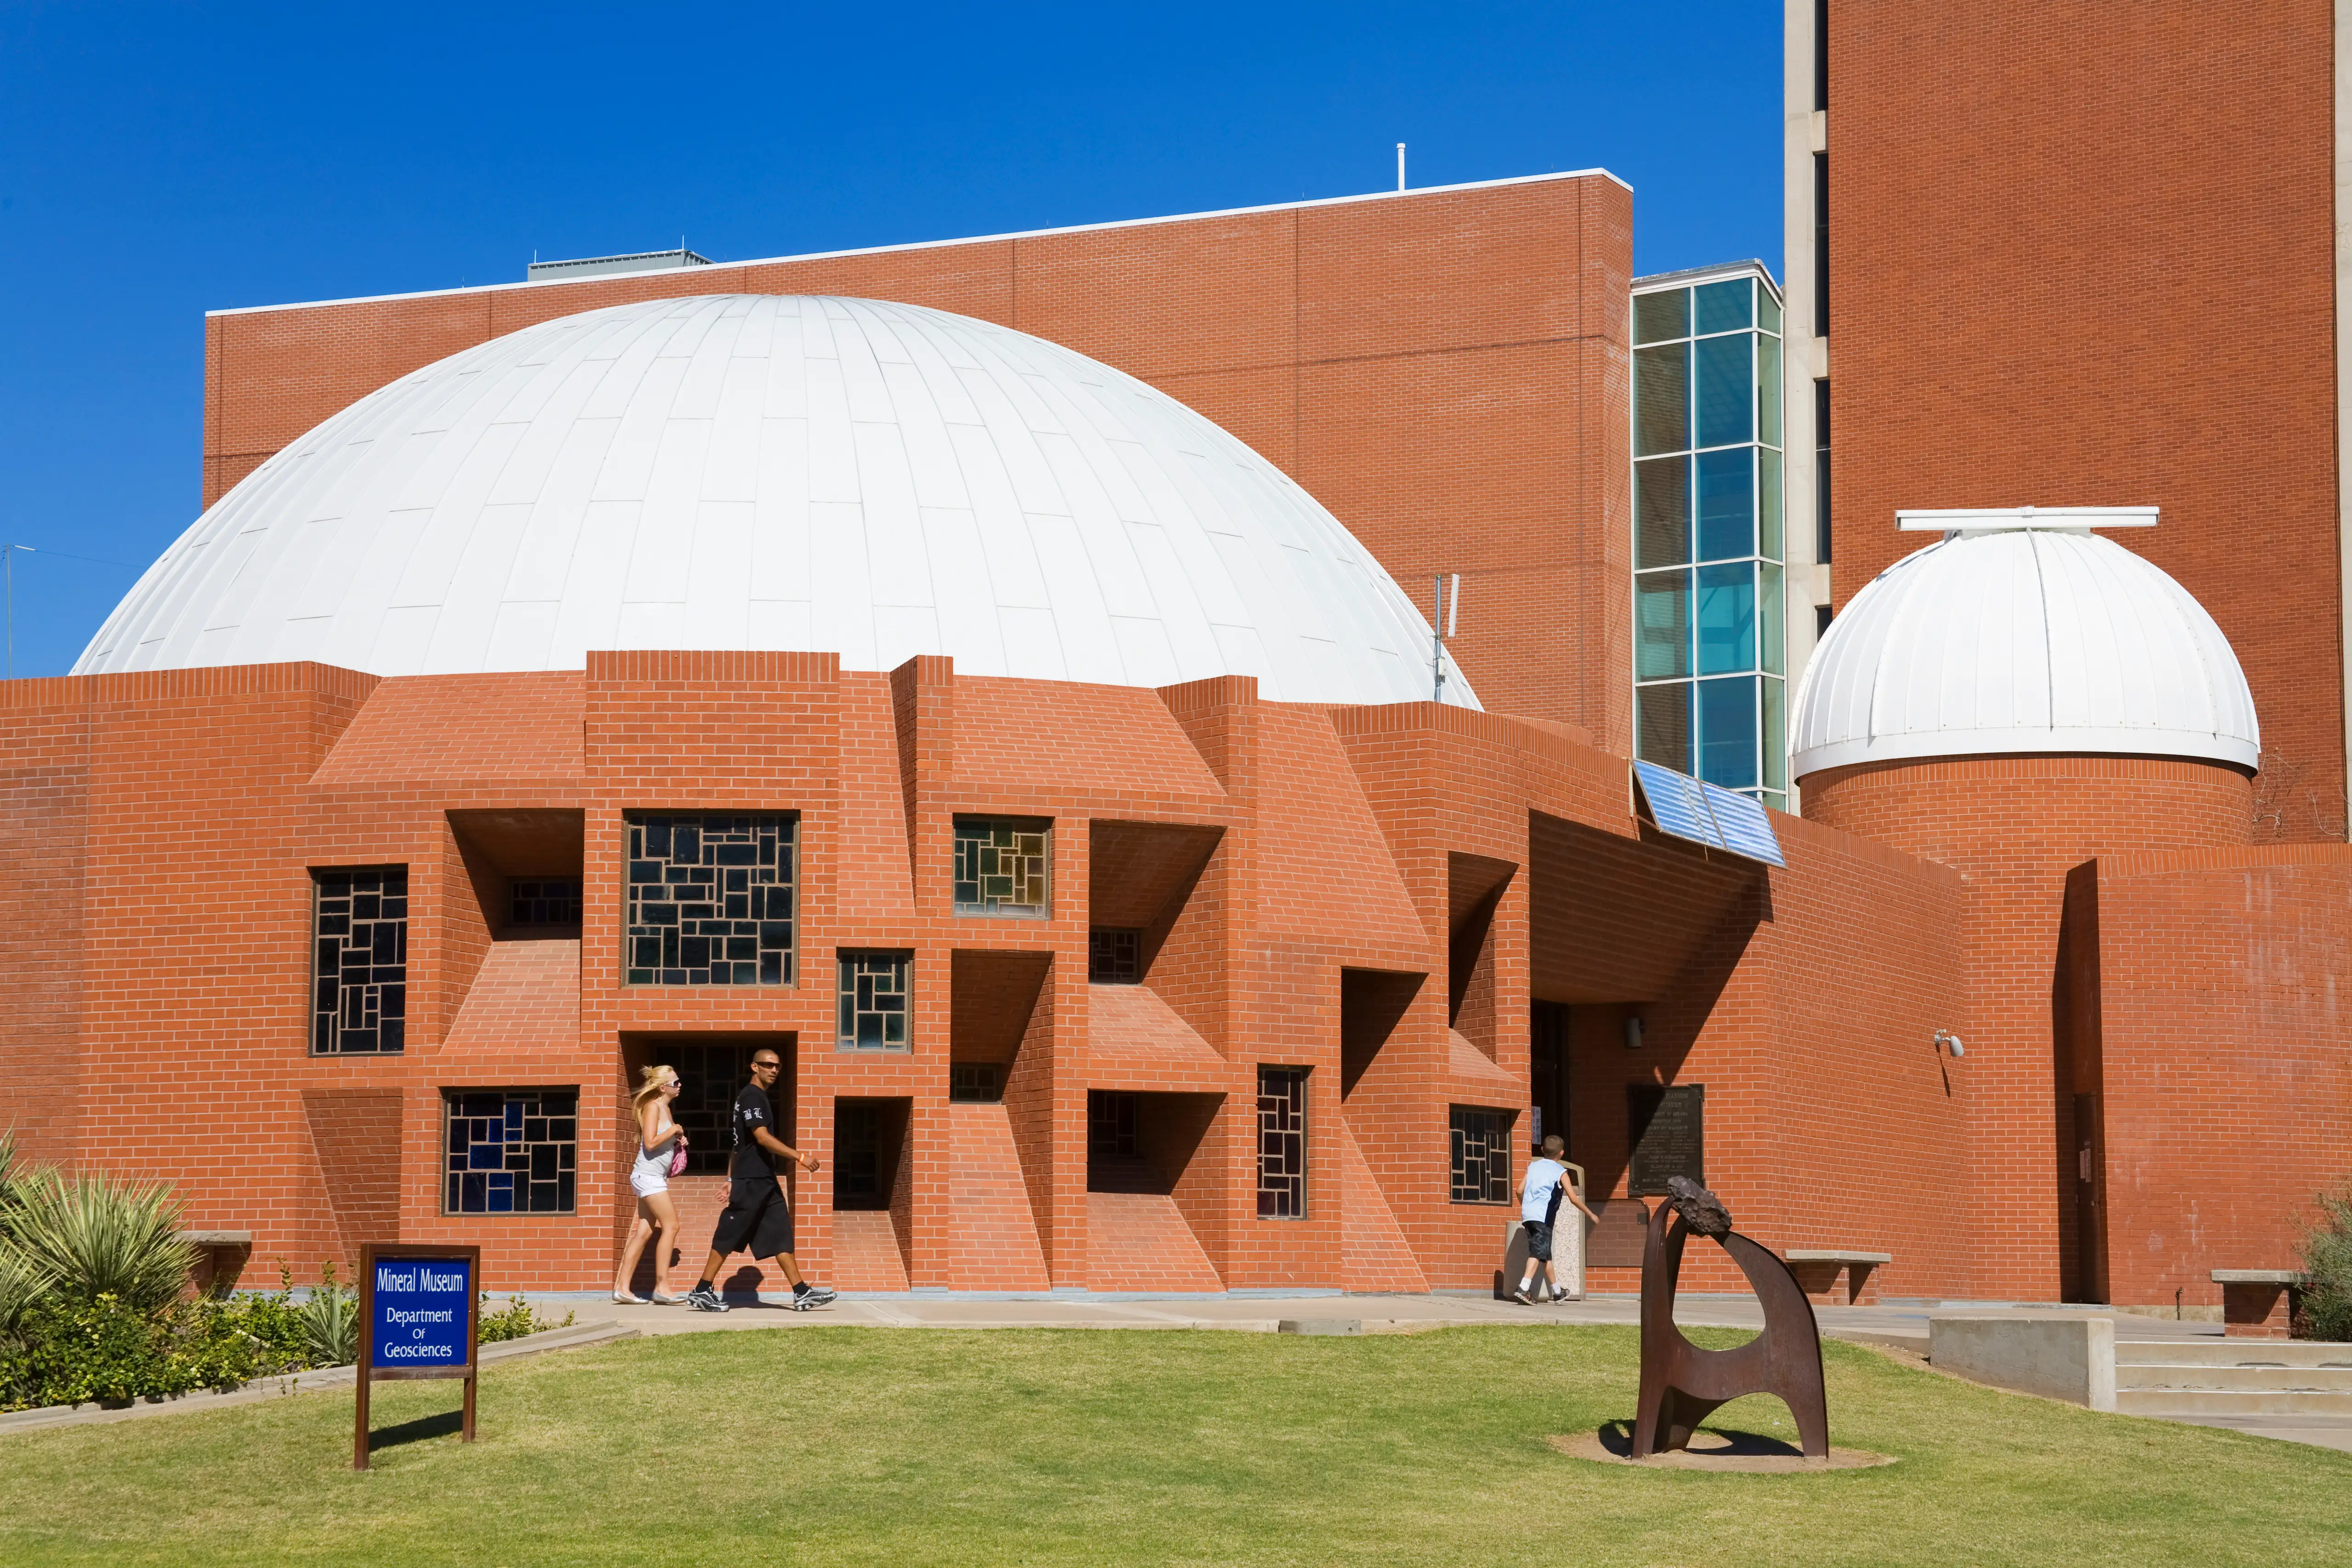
column 1951, row 1042
column 1633, row 1031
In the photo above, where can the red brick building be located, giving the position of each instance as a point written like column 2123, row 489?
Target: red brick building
column 1128, row 917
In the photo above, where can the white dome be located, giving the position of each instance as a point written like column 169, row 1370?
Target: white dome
column 763, row 471
column 2022, row 640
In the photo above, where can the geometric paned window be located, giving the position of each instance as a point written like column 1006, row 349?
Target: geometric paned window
column 874, row 1000
column 1110, row 1124
column 976, row 1083
column 359, row 977
column 710, row 899
column 1281, row 1143
column 1114, row 955
column 1482, row 1155
column 1708, row 547
column 1001, row 865
column 510, row 1150
column 544, row 901
column 709, row 1079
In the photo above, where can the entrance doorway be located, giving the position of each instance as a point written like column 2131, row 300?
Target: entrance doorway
column 1548, row 1080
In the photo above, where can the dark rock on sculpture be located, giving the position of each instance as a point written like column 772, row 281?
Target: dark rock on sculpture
column 1701, row 1209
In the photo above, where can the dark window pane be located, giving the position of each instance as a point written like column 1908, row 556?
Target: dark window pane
column 1662, row 506
column 1660, row 399
column 1662, row 315
column 1664, row 724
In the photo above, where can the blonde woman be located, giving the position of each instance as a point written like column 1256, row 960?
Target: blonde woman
column 657, row 1136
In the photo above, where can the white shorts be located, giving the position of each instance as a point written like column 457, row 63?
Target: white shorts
column 647, row 1177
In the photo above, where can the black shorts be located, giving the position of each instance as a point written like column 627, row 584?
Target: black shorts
column 756, row 1220
column 1538, row 1239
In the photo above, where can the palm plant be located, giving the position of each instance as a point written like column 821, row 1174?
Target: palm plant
column 331, row 1319
column 92, row 1234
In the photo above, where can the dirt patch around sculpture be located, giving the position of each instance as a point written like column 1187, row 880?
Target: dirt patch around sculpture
column 1731, row 1452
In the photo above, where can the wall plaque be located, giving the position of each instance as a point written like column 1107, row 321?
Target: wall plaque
column 1666, row 1130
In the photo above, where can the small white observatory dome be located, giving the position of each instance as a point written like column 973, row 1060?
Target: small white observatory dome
column 2023, row 638
column 765, row 471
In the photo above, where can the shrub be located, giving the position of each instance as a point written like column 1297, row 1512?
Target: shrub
column 513, row 1321
column 2327, row 1308
column 330, row 1321
column 90, row 1236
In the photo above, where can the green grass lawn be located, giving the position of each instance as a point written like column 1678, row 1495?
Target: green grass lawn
column 923, row 1447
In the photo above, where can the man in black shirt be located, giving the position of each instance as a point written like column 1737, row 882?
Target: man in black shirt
column 759, row 1213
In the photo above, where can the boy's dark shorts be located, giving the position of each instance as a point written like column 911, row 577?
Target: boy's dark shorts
column 757, row 1220
column 1538, row 1239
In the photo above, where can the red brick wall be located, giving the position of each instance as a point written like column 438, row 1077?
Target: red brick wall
column 2220, row 1021
column 2088, row 256
column 2013, row 827
column 44, row 850
column 1338, row 854
column 1444, row 370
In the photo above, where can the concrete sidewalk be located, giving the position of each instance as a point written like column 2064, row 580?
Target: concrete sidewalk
column 1903, row 1326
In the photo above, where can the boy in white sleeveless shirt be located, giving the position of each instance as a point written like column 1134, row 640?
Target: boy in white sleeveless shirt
column 1540, row 1199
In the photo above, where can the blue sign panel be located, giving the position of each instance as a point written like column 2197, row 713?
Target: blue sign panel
column 420, row 1317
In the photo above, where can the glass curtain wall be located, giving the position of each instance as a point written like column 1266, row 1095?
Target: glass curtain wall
column 1710, row 689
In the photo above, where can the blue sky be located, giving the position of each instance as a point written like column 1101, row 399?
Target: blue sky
column 160, row 161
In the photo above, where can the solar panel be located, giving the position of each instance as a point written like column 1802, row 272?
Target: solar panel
column 1744, row 827
column 1707, row 813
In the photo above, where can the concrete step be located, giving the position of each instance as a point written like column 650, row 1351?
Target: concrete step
column 2200, row 1401
column 2237, row 1379
column 2231, row 1353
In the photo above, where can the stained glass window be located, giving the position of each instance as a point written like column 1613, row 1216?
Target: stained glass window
column 975, row 1082
column 544, row 901
column 709, row 1077
column 1001, row 865
column 1482, row 1155
column 1114, row 955
column 1110, row 1124
column 510, row 1151
column 1281, row 1143
column 710, row 899
column 359, row 977
column 874, row 999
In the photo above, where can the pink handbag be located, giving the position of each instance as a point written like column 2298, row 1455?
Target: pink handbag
column 678, row 1155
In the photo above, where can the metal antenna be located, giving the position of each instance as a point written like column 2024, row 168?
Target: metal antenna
column 8, row 568
column 1441, row 625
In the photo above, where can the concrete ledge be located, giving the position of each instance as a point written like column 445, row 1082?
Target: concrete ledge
column 2261, row 1276
column 2069, row 1358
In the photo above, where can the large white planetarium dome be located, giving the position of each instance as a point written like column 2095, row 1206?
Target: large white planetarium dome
column 763, row 472
column 2022, row 639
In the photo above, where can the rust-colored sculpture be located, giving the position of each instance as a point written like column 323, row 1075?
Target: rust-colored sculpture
column 1681, row 1382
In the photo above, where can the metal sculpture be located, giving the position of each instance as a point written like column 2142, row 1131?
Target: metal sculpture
column 1682, row 1384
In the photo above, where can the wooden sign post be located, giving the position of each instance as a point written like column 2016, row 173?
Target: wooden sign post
column 419, row 1317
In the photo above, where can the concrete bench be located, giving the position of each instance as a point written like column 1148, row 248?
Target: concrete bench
column 1817, row 1269
column 2259, row 1303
